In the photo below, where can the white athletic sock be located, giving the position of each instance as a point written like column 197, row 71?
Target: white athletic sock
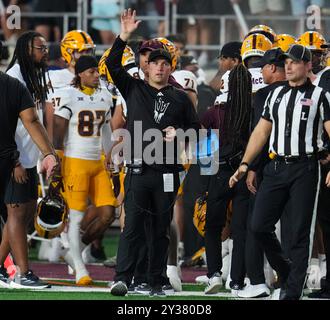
column 65, row 239
column 323, row 265
column 44, row 249
column 75, row 243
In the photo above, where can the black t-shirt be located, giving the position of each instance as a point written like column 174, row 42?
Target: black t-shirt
column 14, row 98
column 155, row 109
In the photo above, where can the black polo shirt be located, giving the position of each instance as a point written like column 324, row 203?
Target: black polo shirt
column 148, row 106
column 14, row 98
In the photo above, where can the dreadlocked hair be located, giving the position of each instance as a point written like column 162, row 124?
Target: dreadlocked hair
column 238, row 111
column 76, row 82
column 34, row 76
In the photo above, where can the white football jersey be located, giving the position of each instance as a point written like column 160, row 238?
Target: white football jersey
column 224, row 87
column 221, row 98
column 59, row 79
column 107, row 142
column 186, row 79
column 87, row 114
column 256, row 77
column 29, row 152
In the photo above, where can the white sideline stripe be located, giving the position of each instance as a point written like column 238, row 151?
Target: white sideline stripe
column 86, row 289
column 181, row 294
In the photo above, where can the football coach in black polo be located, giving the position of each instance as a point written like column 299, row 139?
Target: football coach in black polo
column 295, row 115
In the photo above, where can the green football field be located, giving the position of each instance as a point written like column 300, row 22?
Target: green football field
column 64, row 289
column 67, row 290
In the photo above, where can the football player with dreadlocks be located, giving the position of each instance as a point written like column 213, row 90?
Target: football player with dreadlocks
column 233, row 123
column 83, row 111
column 28, row 65
column 75, row 43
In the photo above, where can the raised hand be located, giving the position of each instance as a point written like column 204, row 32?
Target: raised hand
column 128, row 23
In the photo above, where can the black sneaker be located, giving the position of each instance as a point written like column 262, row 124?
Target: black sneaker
column 324, row 293
column 235, row 288
column 28, row 281
column 118, row 288
column 157, row 292
column 4, row 278
column 143, row 288
column 131, row 288
column 168, row 289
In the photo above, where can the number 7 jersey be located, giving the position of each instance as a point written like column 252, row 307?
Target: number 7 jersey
column 86, row 114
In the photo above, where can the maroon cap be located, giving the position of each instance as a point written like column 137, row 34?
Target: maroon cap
column 151, row 45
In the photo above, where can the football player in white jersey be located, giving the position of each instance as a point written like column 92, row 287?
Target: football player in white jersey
column 188, row 82
column 81, row 113
column 74, row 44
column 253, row 48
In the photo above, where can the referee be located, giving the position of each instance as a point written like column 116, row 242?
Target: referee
column 293, row 116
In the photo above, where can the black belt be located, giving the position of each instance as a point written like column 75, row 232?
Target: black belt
column 228, row 162
column 294, row 159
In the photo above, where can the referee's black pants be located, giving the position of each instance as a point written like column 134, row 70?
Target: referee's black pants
column 145, row 199
column 219, row 195
column 254, row 253
column 299, row 182
column 324, row 218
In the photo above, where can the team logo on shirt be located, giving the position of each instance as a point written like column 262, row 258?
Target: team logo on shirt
column 160, row 109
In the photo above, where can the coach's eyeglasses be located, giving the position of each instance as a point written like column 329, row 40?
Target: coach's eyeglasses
column 42, row 48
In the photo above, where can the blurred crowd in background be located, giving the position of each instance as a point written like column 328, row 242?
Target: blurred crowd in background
column 198, row 21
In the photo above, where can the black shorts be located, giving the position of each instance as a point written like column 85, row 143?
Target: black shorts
column 6, row 167
column 23, row 193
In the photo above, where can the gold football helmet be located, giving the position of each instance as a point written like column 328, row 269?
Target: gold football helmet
column 199, row 217
column 52, row 212
column 75, row 40
column 265, row 30
column 284, row 41
column 255, row 45
column 127, row 59
column 312, row 40
column 172, row 49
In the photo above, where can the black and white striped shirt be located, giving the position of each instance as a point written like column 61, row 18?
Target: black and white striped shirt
column 297, row 115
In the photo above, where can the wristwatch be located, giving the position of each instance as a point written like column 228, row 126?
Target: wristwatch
column 244, row 164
